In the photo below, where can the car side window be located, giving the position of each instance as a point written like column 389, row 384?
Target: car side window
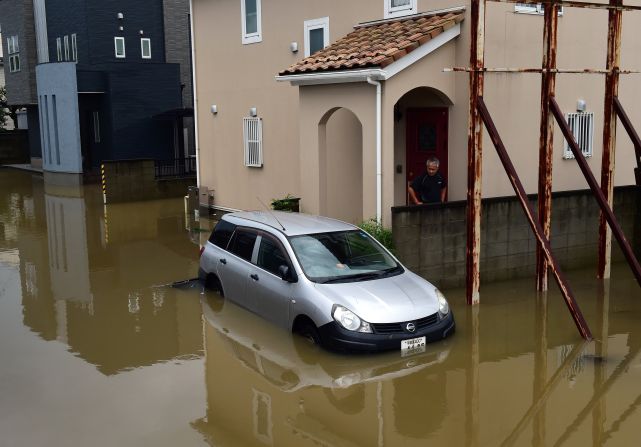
column 270, row 255
column 242, row 244
column 222, row 234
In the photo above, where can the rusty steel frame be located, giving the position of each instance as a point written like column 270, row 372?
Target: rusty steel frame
column 596, row 191
column 546, row 139
column 543, row 241
column 574, row 4
column 632, row 133
column 613, row 60
column 475, row 153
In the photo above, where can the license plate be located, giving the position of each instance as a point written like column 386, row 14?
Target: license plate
column 412, row 346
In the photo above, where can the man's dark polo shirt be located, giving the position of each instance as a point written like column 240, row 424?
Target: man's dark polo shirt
column 428, row 188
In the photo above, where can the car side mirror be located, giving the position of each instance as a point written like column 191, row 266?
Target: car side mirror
column 285, row 274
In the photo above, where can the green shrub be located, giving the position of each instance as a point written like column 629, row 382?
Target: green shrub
column 288, row 203
column 379, row 232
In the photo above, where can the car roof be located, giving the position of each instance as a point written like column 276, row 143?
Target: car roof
column 294, row 223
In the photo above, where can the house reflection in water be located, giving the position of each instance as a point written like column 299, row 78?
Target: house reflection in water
column 94, row 278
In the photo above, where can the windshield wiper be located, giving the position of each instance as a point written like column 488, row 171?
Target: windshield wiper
column 356, row 277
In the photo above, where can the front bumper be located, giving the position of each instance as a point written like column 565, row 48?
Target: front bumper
column 333, row 336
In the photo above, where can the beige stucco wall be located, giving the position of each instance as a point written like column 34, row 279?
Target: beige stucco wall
column 236, row 77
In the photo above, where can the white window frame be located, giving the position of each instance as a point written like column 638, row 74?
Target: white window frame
column 124, row 51
column 59, row 48
column 251, row 37
column 532, row 8
column 74, row 47
column 66, row 41
column 253, row 133
column 309, row 25
column 399, row 11
column 582, row 126
column 142, row 47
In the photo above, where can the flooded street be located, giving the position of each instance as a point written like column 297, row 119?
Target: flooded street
column 97, row 349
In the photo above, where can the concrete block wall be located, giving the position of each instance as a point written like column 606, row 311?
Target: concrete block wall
column 431, row 239
column 135, row 180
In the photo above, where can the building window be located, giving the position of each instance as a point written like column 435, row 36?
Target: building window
column 253, row 141
column 582, row 126
column 120, row 47
column 66, row 40
column 398, row 8
column 74, row 48
column 251, row 21
column 532, row 8
column 13, row 50
column 145, row 48
column 59, row 48
column 316, row 35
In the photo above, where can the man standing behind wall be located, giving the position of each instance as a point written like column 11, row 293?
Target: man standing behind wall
column 429, row 187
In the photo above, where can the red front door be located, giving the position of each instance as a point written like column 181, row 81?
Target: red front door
column 426, row 138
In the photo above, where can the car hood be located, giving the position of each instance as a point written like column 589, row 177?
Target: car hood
column 388, row 300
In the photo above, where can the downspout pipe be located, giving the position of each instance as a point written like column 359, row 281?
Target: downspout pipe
column 193, row 89
column 379, row 152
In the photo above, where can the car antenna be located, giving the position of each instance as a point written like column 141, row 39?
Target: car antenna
column 272, row 214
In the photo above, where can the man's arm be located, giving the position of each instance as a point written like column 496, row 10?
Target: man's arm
column 413, row 197
column 443, row 193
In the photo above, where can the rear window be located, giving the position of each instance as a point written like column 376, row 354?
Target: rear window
column 242, row 245
column 222, row 234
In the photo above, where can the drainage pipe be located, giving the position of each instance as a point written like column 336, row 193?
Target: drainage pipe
column 193, row 91
column 379, row 153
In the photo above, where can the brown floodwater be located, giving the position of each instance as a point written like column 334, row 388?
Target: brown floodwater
column 96, row 348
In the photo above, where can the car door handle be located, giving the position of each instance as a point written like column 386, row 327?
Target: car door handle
column 223, row 261
column 254, row 277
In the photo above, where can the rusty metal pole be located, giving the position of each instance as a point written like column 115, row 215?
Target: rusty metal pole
column 546, row 139
column 567, row 293
column 609, row 135
column 596, row 191
column 634, row 136
column 474, row 152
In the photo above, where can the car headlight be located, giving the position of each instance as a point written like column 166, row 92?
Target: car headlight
column 443, row 306
column 349, row 320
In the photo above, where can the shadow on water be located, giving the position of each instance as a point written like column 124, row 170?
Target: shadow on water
column 110, row 284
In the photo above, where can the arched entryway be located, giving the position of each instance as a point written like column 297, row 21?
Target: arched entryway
column 340, row 136
column 421, row 127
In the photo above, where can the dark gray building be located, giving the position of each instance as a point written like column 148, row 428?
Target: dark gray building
column 103, row 79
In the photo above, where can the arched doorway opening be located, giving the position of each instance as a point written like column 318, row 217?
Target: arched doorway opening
column 421, row 128
column 340, row 136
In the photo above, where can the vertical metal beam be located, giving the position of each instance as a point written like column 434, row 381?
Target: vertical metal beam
column 546, row 141
column 609, row 134
column 474, row 152
column 568, row 296
column 596, row 191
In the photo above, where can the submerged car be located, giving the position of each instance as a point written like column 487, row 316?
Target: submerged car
column 324, row 279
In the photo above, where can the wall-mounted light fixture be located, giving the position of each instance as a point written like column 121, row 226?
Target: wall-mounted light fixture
column 120, row 16
column 253, row 112
column 142, row 33
column 581, row 105
column 214, row 109
column 122, row 28
column 293, row 47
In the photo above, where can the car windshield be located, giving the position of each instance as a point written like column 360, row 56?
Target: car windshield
column 342, row 256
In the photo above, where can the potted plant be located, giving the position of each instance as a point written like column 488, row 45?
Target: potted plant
column 288, row 203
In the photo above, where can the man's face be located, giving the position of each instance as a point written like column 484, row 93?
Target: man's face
column 432, row 169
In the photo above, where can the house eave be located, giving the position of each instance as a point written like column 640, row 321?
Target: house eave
column 377, row 74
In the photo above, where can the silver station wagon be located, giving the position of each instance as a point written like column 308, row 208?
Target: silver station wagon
column 324, row 279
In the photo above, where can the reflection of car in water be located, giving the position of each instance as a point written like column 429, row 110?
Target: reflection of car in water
column 292, row 364
column 325, row 279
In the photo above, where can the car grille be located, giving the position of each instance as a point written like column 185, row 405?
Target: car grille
column 399, row 328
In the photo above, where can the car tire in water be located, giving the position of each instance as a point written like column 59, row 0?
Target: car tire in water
column 213, row 283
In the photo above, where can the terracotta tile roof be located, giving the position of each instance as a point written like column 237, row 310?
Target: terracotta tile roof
column 377, row 44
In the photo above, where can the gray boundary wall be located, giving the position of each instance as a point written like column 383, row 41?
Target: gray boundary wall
column 431, row 239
